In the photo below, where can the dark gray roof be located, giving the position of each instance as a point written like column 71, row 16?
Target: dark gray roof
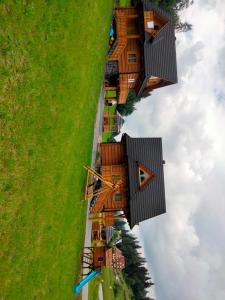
column 150, row 201
column 160, row 54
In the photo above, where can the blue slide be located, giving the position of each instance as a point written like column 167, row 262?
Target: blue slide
column 79, row 286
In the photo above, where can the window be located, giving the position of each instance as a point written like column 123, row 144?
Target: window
column 150, row 24
column 131, row 80
column 145, row 176
column 116, row 178
column 118, row 196
column 131, row 58
column 142, row 175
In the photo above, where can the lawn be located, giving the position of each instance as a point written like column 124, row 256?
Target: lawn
column 108, row 281
column 52, row 56
column 124, row 2
column 93, row 288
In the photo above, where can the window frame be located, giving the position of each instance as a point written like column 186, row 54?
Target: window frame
column 120, row 194
column 134, row 55
column 116, row 177
column 148, row 179
column 131, row 80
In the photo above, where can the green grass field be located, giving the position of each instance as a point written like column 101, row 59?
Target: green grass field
column 52, row 55
column 124, row 2
column 108, row 281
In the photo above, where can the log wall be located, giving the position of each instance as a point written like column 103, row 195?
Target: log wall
column 112, row 154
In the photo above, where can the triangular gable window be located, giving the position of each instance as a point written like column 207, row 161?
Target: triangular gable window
column 145, row 176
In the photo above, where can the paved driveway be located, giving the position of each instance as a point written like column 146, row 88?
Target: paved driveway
column 97, row 133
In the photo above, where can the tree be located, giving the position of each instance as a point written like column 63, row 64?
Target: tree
column 182, row 4
column 129, row 107
column 183, row 27
column 135, row 273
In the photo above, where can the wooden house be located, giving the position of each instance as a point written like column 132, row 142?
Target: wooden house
column 132, row 179
column 98, row 233
column 101, row 234
column 112, row 122
column 115, row 259
column 143, row 56
column 104, row 256
column 99, row 257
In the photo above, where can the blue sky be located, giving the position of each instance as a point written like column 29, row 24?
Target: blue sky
column 185, row 248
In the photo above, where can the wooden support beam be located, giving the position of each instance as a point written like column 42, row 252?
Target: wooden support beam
column 105, row 189
column 135, row 16
column 98, row 192
column 133, row 36
column 99, row 176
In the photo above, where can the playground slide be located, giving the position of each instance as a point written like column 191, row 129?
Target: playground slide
column 77, row 288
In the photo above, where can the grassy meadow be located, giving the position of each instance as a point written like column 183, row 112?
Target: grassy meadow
column 108, row 281
column 52, row 56
column 124, row 2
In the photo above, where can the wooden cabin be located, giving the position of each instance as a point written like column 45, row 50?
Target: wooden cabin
column 134, row 167
column 106, row 219
column 118, row 260
column 108, row 257
column 112, row 122
column 98, row 232
column 99, row 257
column 143, row 56
column 115, row 259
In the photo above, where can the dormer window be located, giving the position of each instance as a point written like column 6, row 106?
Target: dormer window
column 145, row 176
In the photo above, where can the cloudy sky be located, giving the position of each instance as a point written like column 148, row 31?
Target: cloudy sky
column 185, row 248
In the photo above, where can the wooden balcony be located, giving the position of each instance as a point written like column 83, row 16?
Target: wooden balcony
column 121, row 29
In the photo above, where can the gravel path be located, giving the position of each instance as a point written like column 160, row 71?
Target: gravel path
column 100, row 292
column 97, row 133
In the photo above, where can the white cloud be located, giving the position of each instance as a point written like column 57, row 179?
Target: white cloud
column 186, row 247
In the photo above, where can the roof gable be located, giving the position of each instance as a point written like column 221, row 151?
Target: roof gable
column 145, row 176
column 150, row 201
column 160, row 51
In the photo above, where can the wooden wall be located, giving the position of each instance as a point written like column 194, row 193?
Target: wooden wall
column 116, row 173
column 132, row 77
column 128, row 34
column 133, row 47
column 109, row 201
column 99, row 256
column 112, row 154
